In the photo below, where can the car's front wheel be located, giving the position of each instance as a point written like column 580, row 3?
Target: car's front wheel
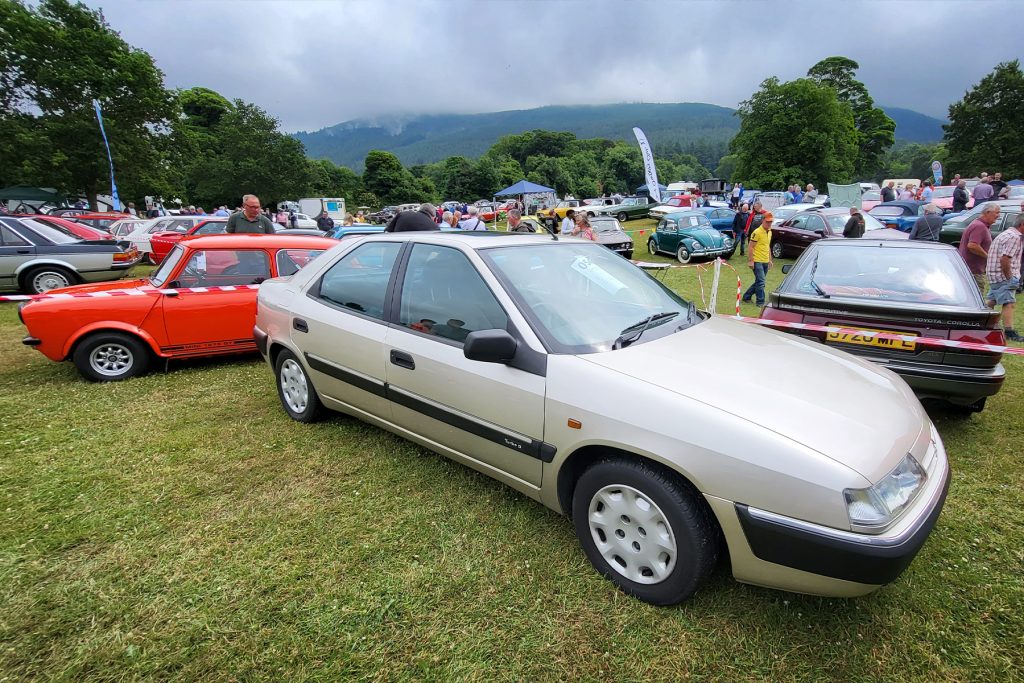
column 652, row 247
column 295, row 389
column 645, row 530
column 622, row 217
column 683, row 254
column 111, row 357
column 777, row 249
column 44, row 278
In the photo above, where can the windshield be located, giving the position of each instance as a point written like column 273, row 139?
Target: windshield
column 1015, row 192
column 164, row 271
column 887, row 211
column 871, row 196
column 917, row 276
column 942, row 192
column 605, row 224
column 52, row 233
column 581, row 298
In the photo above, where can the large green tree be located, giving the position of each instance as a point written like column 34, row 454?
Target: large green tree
column 876, row 132
column 794, row 131
column 391, row 183
column 56, row 57
column 986, row 127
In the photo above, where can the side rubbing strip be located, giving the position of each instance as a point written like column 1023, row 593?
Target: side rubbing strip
column 359, row 381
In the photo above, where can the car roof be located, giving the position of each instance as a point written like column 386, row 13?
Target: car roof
column 867, row 242
column 104, row 214
column 905, row 203
column 258, row 241
column 473, row 239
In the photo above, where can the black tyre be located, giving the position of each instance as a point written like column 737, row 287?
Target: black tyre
column 111, row 357
column 683, row 254
column 42, row 279
column 645, row 530
column 295, row 389
column 777, row 249
column 652, row 247
column 728, row 255
column 622, row 217
column 628, row 255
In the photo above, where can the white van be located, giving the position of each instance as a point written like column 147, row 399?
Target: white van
column 313, row 206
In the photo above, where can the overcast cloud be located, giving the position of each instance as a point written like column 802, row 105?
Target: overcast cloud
column 317, row 63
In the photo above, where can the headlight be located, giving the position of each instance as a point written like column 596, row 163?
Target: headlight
column 878, row 505
column 726, row 240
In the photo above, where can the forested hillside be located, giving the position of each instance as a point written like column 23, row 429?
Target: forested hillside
column 703, row 130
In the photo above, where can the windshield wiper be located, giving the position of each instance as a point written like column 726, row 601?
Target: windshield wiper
column 625, row 338
column 814, row 267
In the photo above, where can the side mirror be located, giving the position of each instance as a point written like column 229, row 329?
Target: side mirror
column 788, row 267
column 819, row 232
column 490, row 346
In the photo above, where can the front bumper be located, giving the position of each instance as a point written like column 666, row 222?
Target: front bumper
column 864, row 559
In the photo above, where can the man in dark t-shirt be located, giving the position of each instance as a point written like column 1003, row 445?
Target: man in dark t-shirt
column 250, row 219
column 421, row 219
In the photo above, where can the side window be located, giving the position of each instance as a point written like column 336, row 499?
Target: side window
column 289, row 261
column 798, row 223
column 666, row 226
column 9, row 238
column 815, row 223
column 215, row 228
column 444, row 295
column 359, row 281
column 225, row 267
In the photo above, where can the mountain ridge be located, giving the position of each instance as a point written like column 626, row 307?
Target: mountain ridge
column 698, row 128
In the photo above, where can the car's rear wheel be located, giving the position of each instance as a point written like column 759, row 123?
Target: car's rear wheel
column 645, row 530
column 295, row 389
column 111, row 357
column 622, row 217
column 777, row 249
column 683, row 254
column 652, row 247
column 44, row 278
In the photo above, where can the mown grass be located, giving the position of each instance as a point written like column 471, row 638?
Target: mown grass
column 181, row 526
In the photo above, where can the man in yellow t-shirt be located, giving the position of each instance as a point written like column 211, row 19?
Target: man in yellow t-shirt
column 760, row 258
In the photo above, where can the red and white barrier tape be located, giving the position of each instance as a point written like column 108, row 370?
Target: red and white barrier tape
column 109, row 293
column 926, row 341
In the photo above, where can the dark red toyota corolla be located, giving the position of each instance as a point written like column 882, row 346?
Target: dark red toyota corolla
column 904, row 287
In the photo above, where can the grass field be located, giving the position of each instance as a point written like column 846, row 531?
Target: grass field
column 180, row 526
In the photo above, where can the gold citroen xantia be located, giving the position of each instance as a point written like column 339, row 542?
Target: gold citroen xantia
column 670, row 437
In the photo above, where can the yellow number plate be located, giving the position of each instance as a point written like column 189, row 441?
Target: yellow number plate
column 862, row 340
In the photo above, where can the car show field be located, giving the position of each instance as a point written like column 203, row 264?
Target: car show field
column 180, row 525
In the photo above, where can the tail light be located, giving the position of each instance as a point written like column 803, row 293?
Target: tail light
column 121, row 257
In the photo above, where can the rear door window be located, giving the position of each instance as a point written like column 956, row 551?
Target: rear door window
column 359, row 280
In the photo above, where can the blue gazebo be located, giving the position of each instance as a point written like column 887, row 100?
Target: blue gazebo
column 524, row 187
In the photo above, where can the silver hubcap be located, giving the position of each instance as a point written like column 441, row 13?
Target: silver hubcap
column 293, row 386
column 111, row 360
column 632, row 534
column 44, row 282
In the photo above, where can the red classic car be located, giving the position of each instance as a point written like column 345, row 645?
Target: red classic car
column 100, row 219
column 79, row 230
column 118, row 331
column 161, row 242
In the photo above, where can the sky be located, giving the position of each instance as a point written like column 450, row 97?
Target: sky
column 316, row 63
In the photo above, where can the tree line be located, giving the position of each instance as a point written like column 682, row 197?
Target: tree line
column 58, row 56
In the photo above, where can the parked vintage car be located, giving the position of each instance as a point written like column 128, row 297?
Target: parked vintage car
column 680, row 202
column 792, row 236
column 688, row 235
column 569, row 374
column 161, row 243
column 629, row 208
column 126, row 226
column 609, row 232
column 141, row 236
column 942, row 197
column 36, row 257
column 559, row 210
column 900, row 214
column 953, row 226
column 99, row 219
column 870, row 199
column 114, row 338
column 721, row 218
column 910, row 287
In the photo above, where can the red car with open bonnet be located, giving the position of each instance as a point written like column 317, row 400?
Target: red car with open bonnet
column 199, row 302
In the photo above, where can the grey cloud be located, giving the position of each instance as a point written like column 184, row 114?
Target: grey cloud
column 314, row 64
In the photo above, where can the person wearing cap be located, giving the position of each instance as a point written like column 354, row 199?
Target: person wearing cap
column 760, row 258
column 928, row 226
column 420, row 220
column 855, row 224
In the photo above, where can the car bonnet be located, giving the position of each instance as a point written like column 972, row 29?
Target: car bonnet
column 708, row 236
column 847, row 409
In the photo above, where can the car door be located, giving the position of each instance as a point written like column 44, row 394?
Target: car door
column 813, row 229
column 489, row 415
column 15, row 250
column 213, row 320
column 788, row 233
column 339, row 328
column 668, row 235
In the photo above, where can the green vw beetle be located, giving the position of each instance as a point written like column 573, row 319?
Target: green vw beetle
column 689, row 235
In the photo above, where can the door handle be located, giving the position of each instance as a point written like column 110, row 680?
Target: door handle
column 300, row 325
column 402, row 360
column 24, row 251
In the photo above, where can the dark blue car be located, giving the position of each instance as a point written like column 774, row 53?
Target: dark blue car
column 901, row 214
column 721, row 218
